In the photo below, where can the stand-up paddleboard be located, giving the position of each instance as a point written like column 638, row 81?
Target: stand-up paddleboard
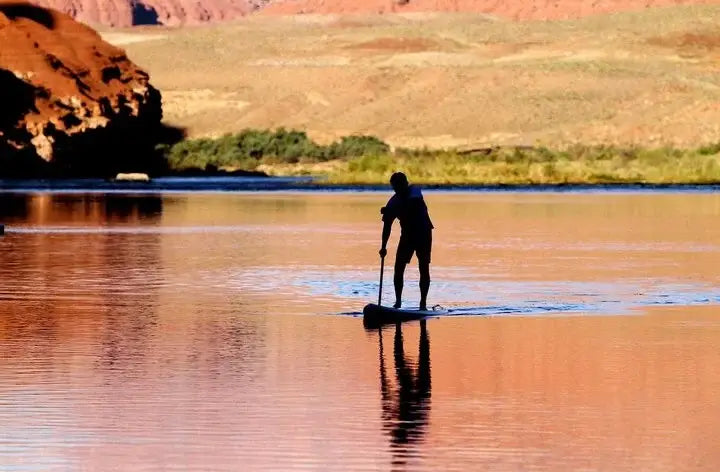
column 375, row 315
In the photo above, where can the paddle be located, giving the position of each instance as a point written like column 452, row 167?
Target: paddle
column 382, row 269
column 382, row 261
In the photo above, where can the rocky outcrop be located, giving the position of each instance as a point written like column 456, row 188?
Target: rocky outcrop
column 71, row 103
column 123, row 13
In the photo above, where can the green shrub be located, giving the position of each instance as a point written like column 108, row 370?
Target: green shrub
column 710, row 149
column 247, row 149
column 357, row 145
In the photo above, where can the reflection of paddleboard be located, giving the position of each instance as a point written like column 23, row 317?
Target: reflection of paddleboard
column 376, row 315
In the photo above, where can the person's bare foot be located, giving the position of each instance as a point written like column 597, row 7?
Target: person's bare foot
column 397, row 304
column 423, row 306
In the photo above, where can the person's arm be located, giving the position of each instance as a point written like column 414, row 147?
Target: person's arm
column 387, row 228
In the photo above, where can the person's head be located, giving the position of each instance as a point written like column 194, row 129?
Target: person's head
column 399, row 182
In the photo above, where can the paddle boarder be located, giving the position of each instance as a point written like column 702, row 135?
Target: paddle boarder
column 408, row 206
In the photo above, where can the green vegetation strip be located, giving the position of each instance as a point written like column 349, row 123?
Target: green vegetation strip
column 368, row 160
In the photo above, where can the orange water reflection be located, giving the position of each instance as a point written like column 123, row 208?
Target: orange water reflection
column 134, row 334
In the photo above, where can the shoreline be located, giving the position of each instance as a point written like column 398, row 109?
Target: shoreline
column 210, row 184
column 362, row 161
column 288, row 159
column 367, row 160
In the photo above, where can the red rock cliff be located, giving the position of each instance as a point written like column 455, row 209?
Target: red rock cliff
column 177, row 12
column 124, row 13
column 71, row 102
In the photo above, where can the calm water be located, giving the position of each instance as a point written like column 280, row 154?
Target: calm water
column 218, row 332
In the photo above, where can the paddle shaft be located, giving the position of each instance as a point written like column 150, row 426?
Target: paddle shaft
column 382, row 269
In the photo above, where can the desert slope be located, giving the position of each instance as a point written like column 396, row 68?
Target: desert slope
column 646, row 78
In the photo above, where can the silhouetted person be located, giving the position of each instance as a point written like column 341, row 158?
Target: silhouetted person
column 406, row 415
column 408, row 206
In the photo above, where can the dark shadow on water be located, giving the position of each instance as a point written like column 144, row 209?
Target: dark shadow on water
column 90, row 209
column 122, row 207
column 13, row 206
column 406, row 407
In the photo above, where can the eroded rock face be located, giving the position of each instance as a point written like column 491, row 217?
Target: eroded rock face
column 123, row 13
column 70, row 103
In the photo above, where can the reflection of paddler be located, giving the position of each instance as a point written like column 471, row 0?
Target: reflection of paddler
column 405, row 414
column 2, row 229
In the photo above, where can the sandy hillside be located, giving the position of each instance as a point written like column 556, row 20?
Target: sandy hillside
column 442, row 80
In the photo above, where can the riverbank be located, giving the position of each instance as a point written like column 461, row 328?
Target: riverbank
column 366, row 160
column 175, row 185
column 267, row 157
column 531, row 167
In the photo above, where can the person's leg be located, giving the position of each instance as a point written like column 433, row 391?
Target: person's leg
column 399, row 280
column 423, row 254
column 402, row 257
column 424, row 282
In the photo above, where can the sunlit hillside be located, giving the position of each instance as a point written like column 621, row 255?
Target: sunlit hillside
column 648, row 78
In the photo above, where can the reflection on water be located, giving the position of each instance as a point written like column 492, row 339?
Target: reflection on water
column 406, row 410
column 200, row 332
column 44, row 209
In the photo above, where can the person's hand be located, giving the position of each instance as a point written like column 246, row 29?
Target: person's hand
column 383, row 252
